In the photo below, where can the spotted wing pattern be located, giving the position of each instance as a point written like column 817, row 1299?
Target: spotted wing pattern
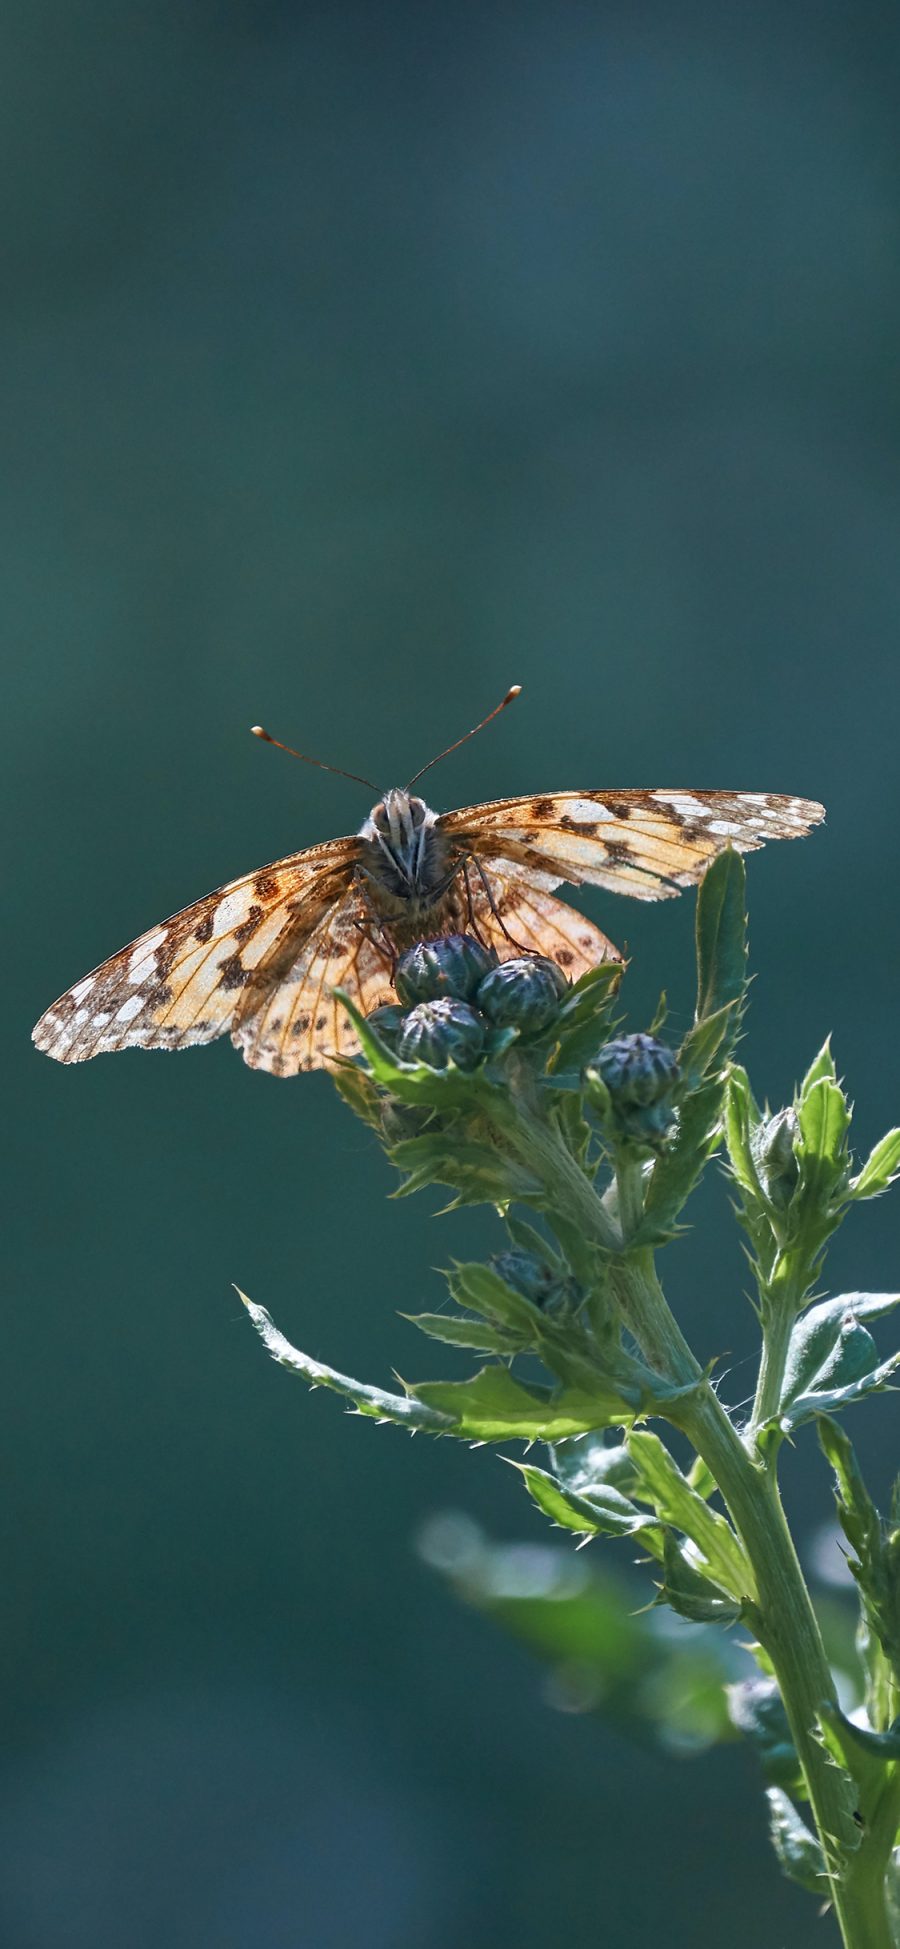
column 647, row 844
column 514, row 916
column 297, row 1022
column 190, row 978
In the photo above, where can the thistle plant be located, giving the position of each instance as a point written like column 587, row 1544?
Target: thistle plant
column 514, row 1089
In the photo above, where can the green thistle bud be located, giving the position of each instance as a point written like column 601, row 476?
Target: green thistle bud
column 454, row 965
column 639, row 1077
column 523, row 994
column 441, row 1032
column 387, row 1023
column 535, row 1279
column 773, row 1149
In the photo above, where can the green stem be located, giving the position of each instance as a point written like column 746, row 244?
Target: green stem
column 868, row 1872
column 777, row 1332
column 779, row 1318
column 783, row 1612
column 630, row 1189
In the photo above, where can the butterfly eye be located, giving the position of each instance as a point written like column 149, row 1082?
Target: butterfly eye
column 380, row 818
column 417, row 813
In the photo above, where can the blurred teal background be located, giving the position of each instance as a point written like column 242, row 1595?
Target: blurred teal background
column 357, row 363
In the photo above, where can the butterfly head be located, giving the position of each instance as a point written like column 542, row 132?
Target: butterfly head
column 400, row 841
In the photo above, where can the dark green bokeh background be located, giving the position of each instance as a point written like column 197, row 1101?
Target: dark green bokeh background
column 359, row 362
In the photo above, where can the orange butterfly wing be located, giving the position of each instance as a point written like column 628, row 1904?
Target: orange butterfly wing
column 298, row 1023
column 514, row 916
column 648, row 844
column 188, row 979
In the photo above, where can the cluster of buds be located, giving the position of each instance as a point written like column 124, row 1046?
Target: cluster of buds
column 453, row 993
column 633, row 1083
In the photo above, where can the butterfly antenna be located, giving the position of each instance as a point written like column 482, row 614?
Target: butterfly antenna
column 514, row 691
column 267, row 738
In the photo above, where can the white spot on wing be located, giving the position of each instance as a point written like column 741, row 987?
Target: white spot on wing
column 587, row 812
column 131, row 1008
column 231, row 910
column 684, row 803
column 82, row 988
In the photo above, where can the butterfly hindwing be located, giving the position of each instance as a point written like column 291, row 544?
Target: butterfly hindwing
column 647, row 844
column 298, row 1022
column 516, row 917
column 186, row 980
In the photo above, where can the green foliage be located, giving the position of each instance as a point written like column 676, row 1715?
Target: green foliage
column 721, row 935
column 799, row 1854
column 527, row 1094
column 604, row 1512
column 756, row 1709
column 659, row 1681
column 494, row 1407
column 875, row 1563
column 832, row 1359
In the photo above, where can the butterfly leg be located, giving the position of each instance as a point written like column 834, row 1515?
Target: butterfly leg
column 375, row 930
column 486, row 888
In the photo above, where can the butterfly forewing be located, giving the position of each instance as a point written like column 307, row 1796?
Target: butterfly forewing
column 186, row 980
column 647, row 844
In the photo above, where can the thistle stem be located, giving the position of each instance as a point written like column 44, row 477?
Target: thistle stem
column 777, row 1330
column 783, row 1611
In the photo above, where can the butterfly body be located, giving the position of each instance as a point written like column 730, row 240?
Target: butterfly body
column 408, row 867
column 262, row 957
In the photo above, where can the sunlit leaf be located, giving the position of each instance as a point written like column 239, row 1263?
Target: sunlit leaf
column 475, row 1334
column 604, row 1513
column 492, row 1406
column 721, row 932
column 880, row 1169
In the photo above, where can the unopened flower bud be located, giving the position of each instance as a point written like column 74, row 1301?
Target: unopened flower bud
column 776, row 1161
column 454, row 965
column 441, row 1032
column 523, row 993
column 537, row 1281
column 639, row 1076
column 387, row 1022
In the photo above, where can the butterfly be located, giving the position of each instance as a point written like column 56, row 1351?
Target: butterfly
column 261, row 958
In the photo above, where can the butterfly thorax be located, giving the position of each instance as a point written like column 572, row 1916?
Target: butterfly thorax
column 409, row 865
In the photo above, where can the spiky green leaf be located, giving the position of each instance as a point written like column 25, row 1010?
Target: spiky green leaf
column 374, row 1401
column 880, row 1169
column 721, row 932
column 662, row 1484
column 798, row 1853
column 832, row 1360
column 475, row 1334
column 492, row 1406
column 605, row 1513
column 692, row 1593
